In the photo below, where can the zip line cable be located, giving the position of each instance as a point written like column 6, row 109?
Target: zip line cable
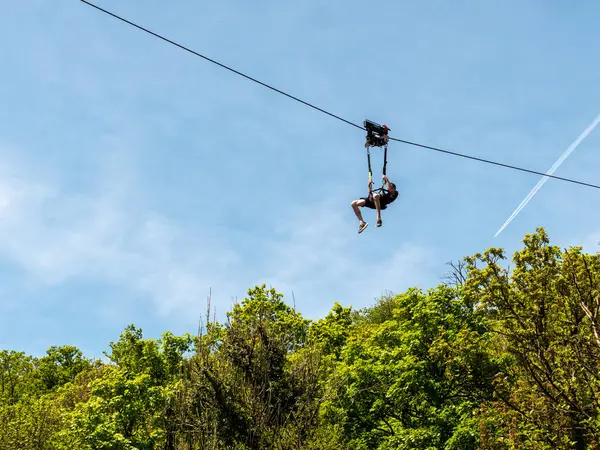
column 495, row 163
column 509, row 166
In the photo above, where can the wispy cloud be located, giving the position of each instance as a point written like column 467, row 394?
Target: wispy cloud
column 57, row 237
column 312, row 251
column 320, row 258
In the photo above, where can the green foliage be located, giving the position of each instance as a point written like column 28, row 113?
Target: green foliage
column 331, row 333
column 414, row 375
column 16, row 376
column 546, row 318
column 61, row 366
column 501, row 359
column 258, row 387
column 130, row 404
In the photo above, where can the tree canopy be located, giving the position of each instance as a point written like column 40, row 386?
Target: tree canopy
column 503, row 355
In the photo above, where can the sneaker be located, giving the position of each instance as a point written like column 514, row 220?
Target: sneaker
column 362, row 227
column 379, row 222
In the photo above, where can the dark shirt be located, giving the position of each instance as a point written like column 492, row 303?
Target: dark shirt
column 388, row 197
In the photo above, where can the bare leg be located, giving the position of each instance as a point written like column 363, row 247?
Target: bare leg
column 377, row 201
column 356, row 204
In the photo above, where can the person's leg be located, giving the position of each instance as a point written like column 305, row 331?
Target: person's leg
column 356, row 205
column 377, row 201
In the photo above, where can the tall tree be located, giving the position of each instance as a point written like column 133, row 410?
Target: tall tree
column 245, row 365
column 412, row 373
column 547, row 321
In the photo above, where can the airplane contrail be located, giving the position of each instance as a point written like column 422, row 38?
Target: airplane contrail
column 556, row 165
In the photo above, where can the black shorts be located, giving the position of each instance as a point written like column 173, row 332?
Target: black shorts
column 384, row 200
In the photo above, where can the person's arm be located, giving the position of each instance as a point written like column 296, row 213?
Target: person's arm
column 389, row 186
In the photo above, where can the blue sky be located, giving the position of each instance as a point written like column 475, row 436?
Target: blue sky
column 135, row 176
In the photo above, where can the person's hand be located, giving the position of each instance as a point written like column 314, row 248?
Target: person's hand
column 384, row 178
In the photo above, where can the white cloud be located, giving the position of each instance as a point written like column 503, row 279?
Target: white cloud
column 106, row 235
column 320, row 259
column 56, row 236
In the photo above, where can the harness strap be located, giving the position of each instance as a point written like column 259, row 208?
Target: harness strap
column 382, row 189
column 379, row 144
column 384, row 159
column 370, row 171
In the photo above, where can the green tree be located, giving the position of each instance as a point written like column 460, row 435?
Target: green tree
column 31, row 415
column 546, row 324
column 244, row 367
column 17, row 376
column 411, row 376
column 131, row 404
column 60, row 366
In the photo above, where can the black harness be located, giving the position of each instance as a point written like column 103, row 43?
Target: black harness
column 376, row 137
column 382, row 189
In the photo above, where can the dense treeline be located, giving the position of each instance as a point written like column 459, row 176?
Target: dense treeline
column 495, row 358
